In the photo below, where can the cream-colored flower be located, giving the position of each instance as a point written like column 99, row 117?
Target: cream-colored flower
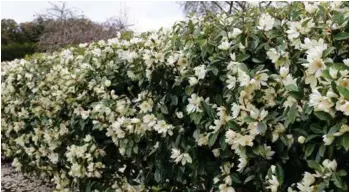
column 301, row 139
column 266, row 22
column 200, row 71
column 194, row 104
column 225, row 45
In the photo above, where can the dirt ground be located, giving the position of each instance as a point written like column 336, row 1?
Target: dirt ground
column 13, row 181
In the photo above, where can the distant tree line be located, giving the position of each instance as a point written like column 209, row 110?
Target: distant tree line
column 59, row 27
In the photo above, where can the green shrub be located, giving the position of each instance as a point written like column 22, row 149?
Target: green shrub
column 257, row 101
column 16, row 50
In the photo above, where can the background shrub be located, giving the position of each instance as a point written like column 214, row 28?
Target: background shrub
column 257, row 101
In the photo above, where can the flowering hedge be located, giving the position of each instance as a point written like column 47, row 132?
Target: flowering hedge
column 257, row 101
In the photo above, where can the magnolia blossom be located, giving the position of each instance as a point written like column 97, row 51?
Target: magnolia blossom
column 266, row 22
column 328, row 139
column 343, row 106
column 301, row 139
column 306, row 184
column 320, row 103
column 273, row 183
column 225, row 45
column 315, row 67
column 234, row 33
column 225, row 188
column 193, row 81
column 346, row 62
column 330, row 165
column 273, row 55
column 299, row 27
column 311, row 7
column 162, row 127
column 194, row 104
column 180, row 157
column 146, row 106
column 200, row 71
column 231, row 81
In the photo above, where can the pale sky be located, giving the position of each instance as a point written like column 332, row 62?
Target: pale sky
column 144, row 15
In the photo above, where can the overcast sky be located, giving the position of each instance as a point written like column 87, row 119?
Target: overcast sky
column 144, row 15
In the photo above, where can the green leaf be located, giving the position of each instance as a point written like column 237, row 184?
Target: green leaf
column 174, row 100
column 337, row 180
column 213, row 69
column 323, row 115
column 291, row 87
column 242, row 57
column 157, row 175
column 345, row 142
column 328, row 51
column 334, row 129
column 279, row 173
column 249, row 178
column 249, row 119
column 343, row 91
column 208, row 109
column 314, row 165
column 236, row 179
column 212, row 139
column 164, row 109
column 189, row 90
column 261, row 127
column 341, row 36
column 291, row 115
column 309, row 150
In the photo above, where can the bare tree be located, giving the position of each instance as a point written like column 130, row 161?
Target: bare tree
column 228, row 7
column 64, row 26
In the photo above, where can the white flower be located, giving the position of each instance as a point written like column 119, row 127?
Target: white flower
column 346, row 62
column 162, row 127
column 225, row 188
column 234, row 33
column 243, row 78
column 180, row 157
column 200, row 71
column 266, row 22
column 315, row 67
column 319, row 102
column 284, row 71
column 231, row 81
column 273, row 55
column 216, row 152
column 333, row 73
column 88, row 138
column 194, row 104
column 343, row 106
column 172, row 59
column 53, row 157
column 225, row 45
column 146, row 106
column 107, row 83
column 328, row 139
column 301, row 139
column 273, row 184
column 331, row 165
column 193, row 81
column 242, row 164
column 311, row 7
column 179, row 114
column 305, row 184
column 299, row 27
column 235, row 110
column 259, row 79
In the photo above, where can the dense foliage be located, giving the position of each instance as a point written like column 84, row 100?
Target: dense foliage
column 257, row 101
column 19, row 40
